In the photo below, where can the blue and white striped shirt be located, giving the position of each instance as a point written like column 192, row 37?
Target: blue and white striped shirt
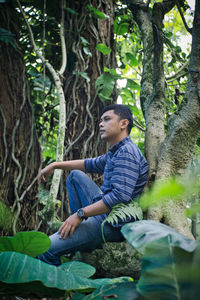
column 125, row 172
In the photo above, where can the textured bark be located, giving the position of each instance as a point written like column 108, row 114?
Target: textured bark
column 83, row 106
column 171, row 154
column 19, row 147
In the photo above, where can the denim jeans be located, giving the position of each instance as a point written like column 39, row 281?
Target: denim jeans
column 87, row 236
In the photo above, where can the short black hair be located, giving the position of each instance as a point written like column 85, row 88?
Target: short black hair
column 122, row 111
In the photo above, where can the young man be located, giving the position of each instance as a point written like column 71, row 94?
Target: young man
column 125, row 173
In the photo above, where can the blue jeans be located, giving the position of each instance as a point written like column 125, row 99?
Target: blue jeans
column 87, row 236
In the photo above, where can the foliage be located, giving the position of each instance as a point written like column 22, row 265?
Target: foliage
column 121, row 291
column 124, row 212
column 48, row 211
column 6, row 217
column 44, row 279
column 32, row 243
column 162, row 191
column 169, row 268
column 7, row 37
column 97, row 13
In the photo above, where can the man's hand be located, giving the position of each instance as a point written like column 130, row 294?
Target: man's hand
column 45, row 173
column 68, row 227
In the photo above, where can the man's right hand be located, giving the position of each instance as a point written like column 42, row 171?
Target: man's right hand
column 45, row 173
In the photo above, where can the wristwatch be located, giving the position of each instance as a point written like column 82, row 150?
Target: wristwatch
column 81, row 214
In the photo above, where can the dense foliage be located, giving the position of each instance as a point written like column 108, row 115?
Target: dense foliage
column 98, row 71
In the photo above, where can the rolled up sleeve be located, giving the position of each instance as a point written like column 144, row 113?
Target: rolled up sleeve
column 95, row 165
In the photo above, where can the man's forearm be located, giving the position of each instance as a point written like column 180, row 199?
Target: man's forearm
column 70, row 165
column 97, row 208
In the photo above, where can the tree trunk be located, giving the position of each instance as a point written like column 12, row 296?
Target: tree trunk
column 83, row 106
column 168, row 154
column 19, row 147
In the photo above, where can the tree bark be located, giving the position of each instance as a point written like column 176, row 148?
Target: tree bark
column 168, row 154
column 19, row 148
column 83, row 106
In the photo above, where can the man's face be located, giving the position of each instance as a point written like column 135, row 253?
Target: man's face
column 110, row 127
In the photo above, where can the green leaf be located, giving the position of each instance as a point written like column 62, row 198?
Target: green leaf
column 122, row 291
column 135, row 110
column 168, row 272
column 73, row 12
column 78, row 268
column 162, row 191
column 84, row 41
column 23, row 275
column 87, row 51
column 131, row 59
column 122, row 28
column 105, row 85
column 139, row 234
column 132, row 85
column 103, row 49
column 32, row 243
column 82, row 74
column 97, row 13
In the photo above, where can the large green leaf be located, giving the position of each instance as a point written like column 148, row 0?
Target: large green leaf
column 32, row 243
column 139, row 234
column 167, row 272
column 23, row 275
column 78, row 268
column 121, row 291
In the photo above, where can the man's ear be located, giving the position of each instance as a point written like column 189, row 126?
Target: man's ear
column 124, row 123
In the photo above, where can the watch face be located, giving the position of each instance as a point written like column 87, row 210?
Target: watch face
column 80, row 213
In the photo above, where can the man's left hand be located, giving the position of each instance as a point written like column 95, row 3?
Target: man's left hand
column 68, row 227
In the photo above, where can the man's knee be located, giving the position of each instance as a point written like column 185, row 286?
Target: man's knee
column 75, row 174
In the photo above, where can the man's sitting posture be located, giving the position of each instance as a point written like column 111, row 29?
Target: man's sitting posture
column 125, row 173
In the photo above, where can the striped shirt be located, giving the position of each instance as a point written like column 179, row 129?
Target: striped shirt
column 125, row 172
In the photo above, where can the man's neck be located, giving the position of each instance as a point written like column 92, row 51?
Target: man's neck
column 116, row 141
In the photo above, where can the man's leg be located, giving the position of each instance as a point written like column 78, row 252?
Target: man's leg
column 87, row 236
column 81, row 190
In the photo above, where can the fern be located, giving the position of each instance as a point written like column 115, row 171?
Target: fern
column 7, row 37
column 122, row 211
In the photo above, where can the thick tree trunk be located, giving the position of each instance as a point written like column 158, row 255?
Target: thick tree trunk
column 19, row 147
column 171, row 154
column 83, row 106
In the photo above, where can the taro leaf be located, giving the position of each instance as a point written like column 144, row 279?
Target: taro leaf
column 166, row 272
column 140, row 233
column 22, row 275
column 32, row 243
column 104, row 281
column 78, row 268
column 120, row 291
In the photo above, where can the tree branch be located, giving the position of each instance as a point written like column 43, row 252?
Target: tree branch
column 183, row 18
column 181, row 68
